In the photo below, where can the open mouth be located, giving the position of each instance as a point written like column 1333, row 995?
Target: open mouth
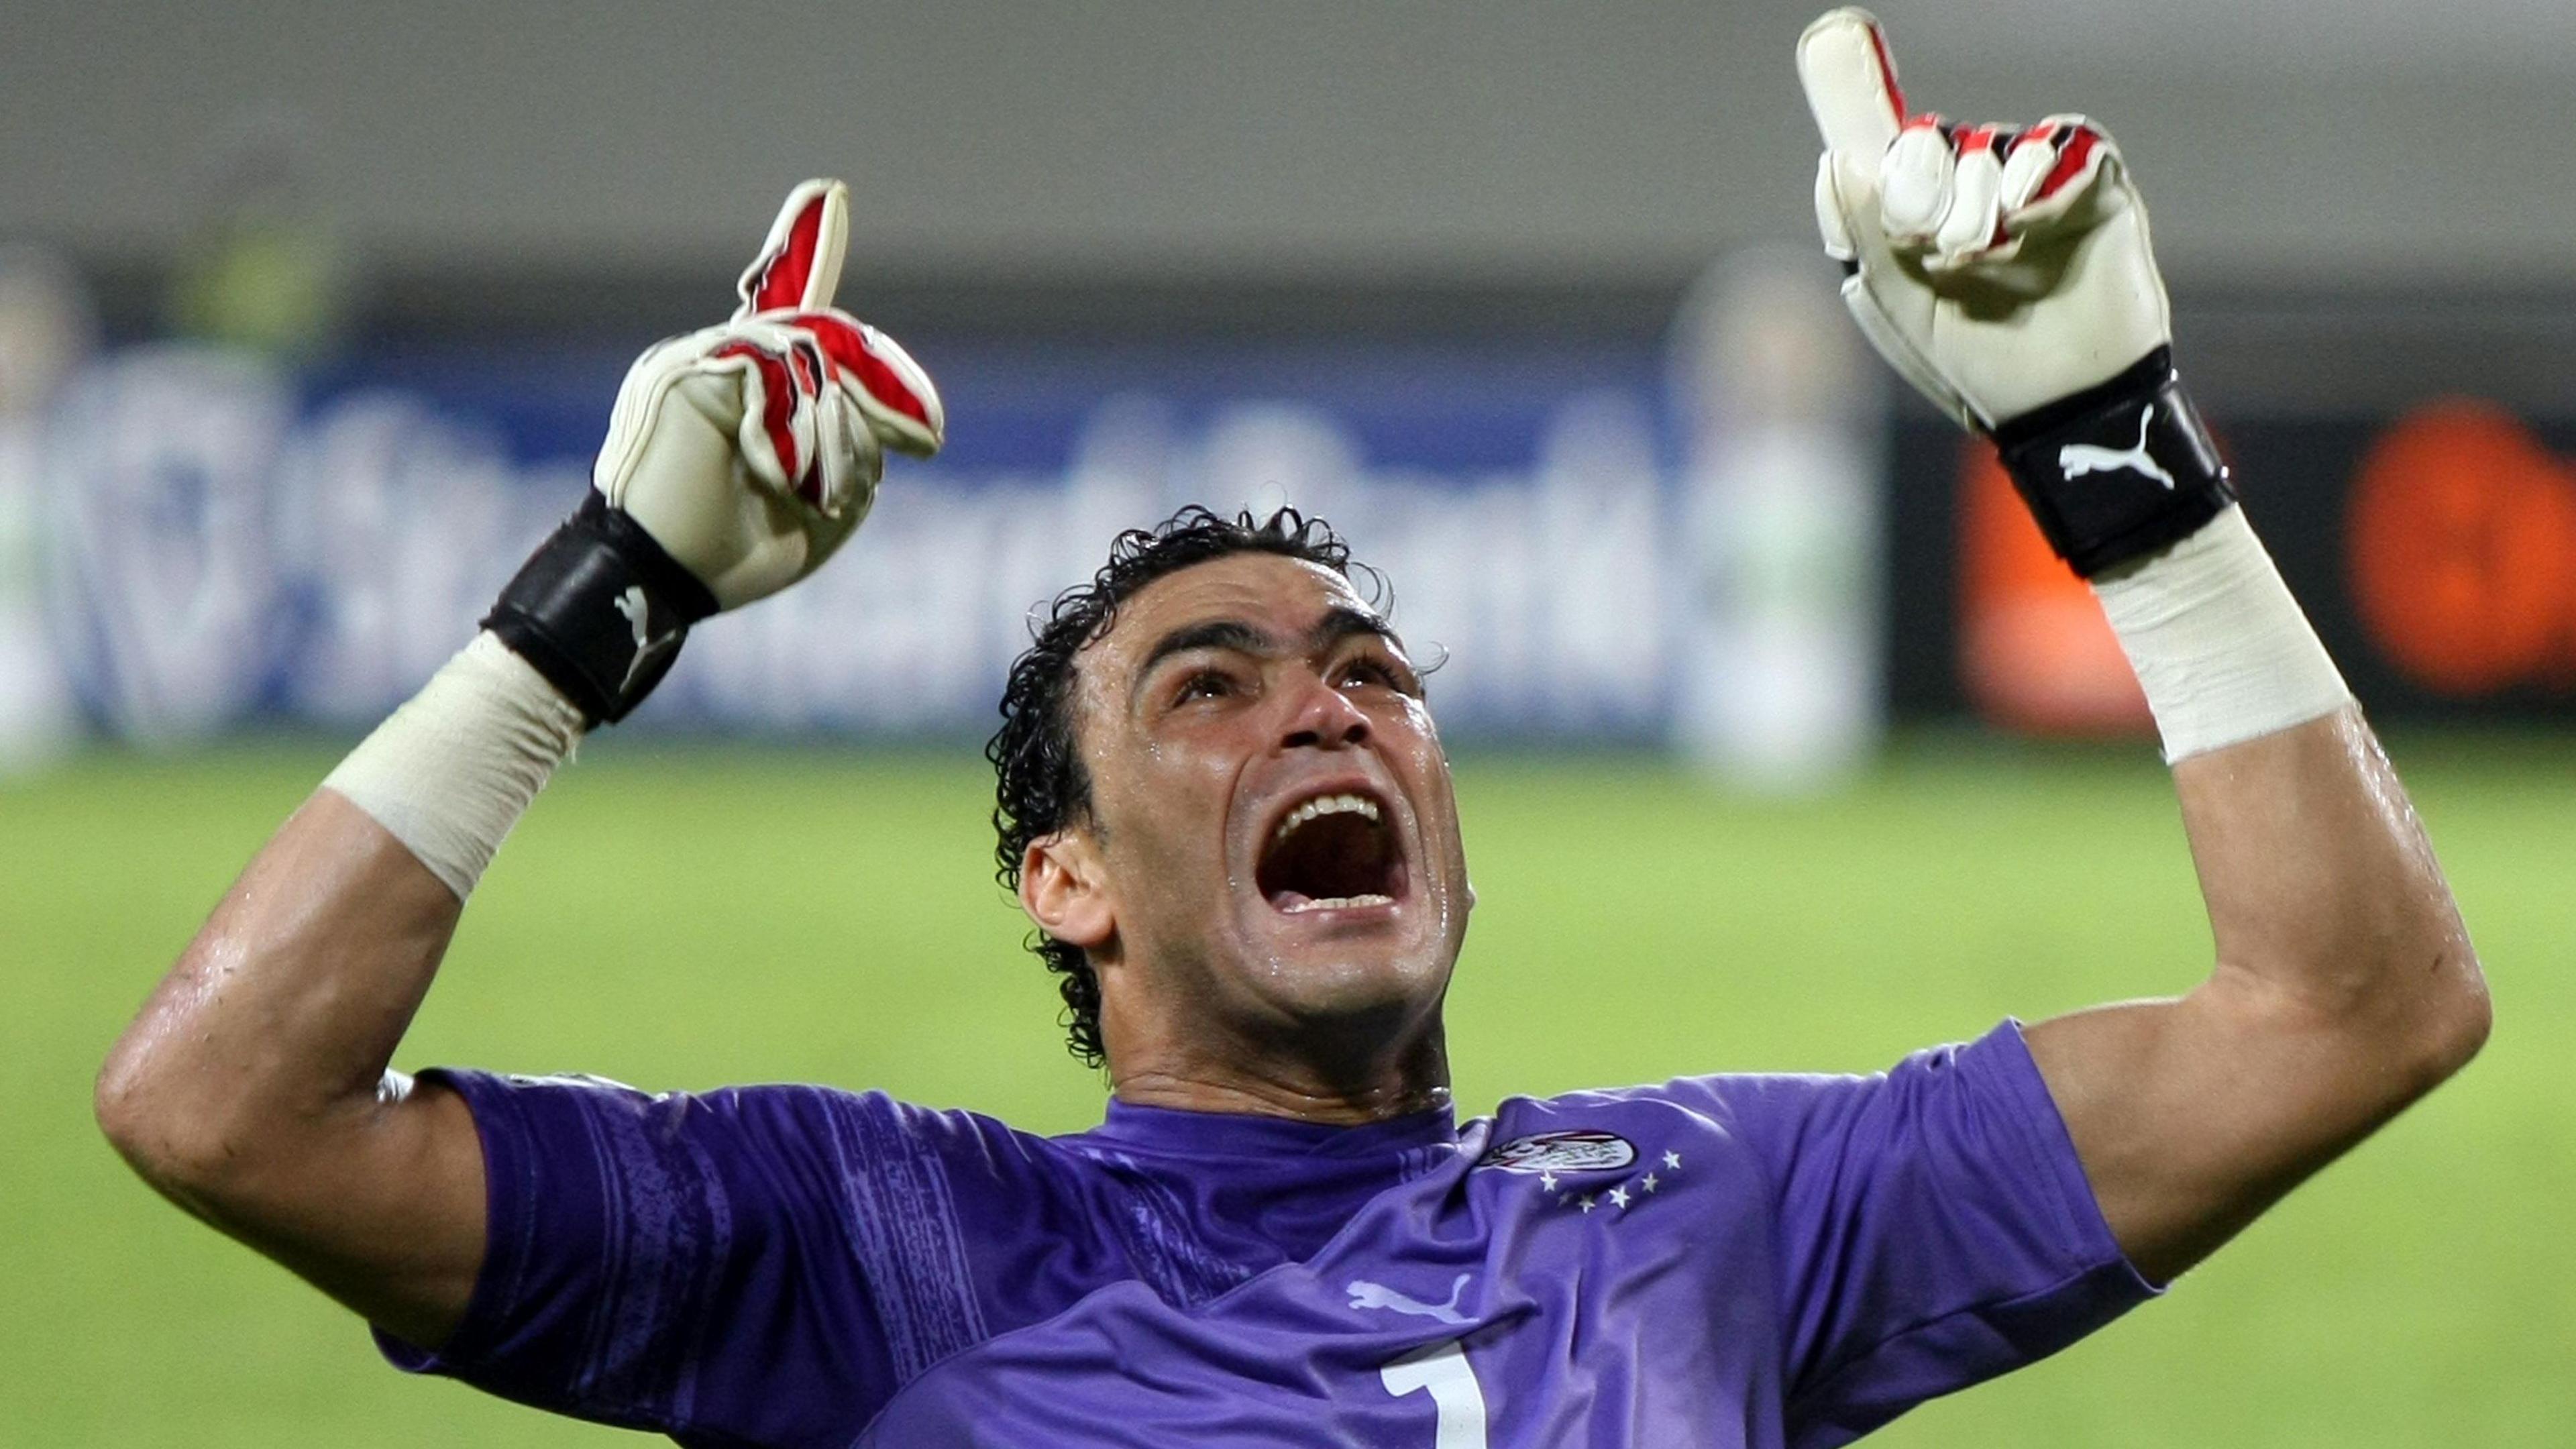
column 1332, row 853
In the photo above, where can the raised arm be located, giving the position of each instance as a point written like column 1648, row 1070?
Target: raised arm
column 2006, row 272
column 2345, row 988
column 254, row 1088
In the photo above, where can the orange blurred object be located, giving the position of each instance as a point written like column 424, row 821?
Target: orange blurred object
column 2460, row 543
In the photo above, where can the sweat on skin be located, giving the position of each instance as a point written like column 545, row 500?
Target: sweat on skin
column 1221, row 699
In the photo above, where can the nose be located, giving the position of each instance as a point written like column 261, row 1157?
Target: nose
column 1325, row 718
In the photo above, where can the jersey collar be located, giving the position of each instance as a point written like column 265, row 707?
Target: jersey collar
column 1236, row 1134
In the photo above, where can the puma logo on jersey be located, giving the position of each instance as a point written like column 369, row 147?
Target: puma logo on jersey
column 1365, row 1294
column 2077, row 459
column 639, row 615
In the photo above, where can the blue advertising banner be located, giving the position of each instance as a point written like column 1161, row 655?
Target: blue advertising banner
column 226, row 543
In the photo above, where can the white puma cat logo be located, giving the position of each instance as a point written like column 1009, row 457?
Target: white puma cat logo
column 639, row 615
column 1365, row 1294
column 2077, row 459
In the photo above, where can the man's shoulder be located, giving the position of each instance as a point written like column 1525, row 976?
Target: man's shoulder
column 1781, row 1118
column 805, row 1119
column 1742, row 1095
column 819, row 1102
column 1732, row 1110
column 873, row 1124
column 1650, row 1127
column 1717, row 1100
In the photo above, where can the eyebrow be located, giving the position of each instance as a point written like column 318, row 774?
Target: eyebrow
column 1339, row 623
column 1342, row 622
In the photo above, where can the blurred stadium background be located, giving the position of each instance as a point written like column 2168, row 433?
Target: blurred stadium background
column 1782, row 742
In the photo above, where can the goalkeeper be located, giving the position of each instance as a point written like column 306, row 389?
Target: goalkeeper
column 1224, row 805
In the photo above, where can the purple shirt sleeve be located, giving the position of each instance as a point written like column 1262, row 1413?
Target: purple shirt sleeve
column 1934, row 1229
column 635, row 1239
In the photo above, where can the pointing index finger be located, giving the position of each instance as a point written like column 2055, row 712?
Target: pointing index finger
column 800, row 265
column 1851, row 82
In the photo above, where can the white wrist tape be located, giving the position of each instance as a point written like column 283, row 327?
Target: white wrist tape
column 2221, row 649
column 455, row 767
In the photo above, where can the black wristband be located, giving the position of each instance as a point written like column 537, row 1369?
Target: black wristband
column 600, row 610
column 2118, row 471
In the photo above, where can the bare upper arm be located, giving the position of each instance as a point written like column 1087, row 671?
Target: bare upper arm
column 386, row 1215
column 396, row 1229
column 2344, row 989
column 2192, row 1116
column 252, row 1088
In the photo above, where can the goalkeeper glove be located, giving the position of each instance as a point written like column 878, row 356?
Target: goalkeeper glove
column 738, row 459
column 2006, row 273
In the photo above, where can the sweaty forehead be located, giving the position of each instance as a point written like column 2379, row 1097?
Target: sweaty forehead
column 1280, row 595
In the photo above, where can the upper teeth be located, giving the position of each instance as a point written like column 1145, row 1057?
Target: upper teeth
column 1325, row 805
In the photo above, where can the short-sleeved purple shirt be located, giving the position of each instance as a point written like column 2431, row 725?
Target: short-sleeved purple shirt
column 1753, row 1261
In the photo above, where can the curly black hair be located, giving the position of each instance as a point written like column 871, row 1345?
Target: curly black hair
column 1040, row 785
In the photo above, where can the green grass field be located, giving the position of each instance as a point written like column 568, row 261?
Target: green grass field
column 687, row 918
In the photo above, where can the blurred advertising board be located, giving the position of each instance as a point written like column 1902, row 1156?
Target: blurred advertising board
column 228, row 543
column 1716, row 541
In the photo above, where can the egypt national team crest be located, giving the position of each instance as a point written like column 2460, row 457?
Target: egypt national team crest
column 1581, row 1150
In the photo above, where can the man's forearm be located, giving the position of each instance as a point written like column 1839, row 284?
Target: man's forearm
column 2322, row 891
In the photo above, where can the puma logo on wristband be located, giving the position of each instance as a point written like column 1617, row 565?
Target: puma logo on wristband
column 2100, row 503
column 639, row 615
column 2077, row 459
column 582, row 610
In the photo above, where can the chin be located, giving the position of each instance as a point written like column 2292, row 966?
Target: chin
column 1353, row 979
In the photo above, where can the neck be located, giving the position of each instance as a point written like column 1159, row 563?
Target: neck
column 1306, row 1086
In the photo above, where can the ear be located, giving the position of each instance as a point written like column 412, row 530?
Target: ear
column 1065, row 889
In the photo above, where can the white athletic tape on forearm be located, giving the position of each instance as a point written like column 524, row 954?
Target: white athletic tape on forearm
column 455, row 767
column 2221, row 649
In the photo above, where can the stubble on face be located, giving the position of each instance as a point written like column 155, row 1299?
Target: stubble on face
column 1272, row 813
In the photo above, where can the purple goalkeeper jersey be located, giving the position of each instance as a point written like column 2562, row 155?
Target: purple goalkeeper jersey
column 1715, row 1261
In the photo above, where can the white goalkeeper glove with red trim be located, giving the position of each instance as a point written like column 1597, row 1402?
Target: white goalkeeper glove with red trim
column 2006, row 273
column 738, row 459
column 752, row 450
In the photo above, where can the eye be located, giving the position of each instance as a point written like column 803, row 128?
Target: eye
column 1369, row 669
column 1205, row 684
